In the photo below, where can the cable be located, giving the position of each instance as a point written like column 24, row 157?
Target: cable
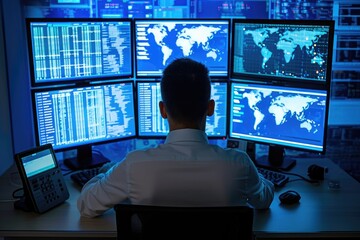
column 14, row 195
column 16, row 191
column 300, row 176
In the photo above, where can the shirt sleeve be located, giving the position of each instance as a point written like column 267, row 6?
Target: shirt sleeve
column 260, row 191
column 104, row 191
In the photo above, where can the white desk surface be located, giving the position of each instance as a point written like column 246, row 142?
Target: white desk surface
column 321, row 212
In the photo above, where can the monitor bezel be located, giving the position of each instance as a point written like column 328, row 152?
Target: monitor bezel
column 77, row 80
column 302, row 85
column 280, row 79
column 179, row 21
column 82, row 144
column 213, row 137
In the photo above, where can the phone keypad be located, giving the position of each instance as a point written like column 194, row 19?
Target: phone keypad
column 49, row 187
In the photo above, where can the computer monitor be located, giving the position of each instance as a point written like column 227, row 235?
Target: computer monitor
column 282, row 50
column 71, row 50
column 79, row 117
column 160, row 41
column 279, row 116
column 152, row 125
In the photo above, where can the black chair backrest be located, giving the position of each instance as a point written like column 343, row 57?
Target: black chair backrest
column 164, row 222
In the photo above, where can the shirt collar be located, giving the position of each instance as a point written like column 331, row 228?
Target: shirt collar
column 186, row 135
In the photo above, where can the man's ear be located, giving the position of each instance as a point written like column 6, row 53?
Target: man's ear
column 211, row 107
column 162, row 109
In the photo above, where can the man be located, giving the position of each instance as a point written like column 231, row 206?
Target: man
column 186, row 170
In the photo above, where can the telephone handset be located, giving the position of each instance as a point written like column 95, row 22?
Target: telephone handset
column 43, row 182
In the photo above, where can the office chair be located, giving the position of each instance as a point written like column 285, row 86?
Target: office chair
column 165, row 222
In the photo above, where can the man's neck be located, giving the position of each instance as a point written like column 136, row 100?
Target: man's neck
column 176, row 126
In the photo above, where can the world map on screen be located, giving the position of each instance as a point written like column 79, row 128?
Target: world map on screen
column 274, row 113
column 205, row 43
column 291, row 52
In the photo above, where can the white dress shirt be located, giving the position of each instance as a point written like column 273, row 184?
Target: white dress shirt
column 184, row 171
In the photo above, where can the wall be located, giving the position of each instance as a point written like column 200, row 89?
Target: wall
column 18, row 75
column 6, row 145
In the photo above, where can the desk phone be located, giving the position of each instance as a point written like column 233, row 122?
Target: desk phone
column 43, row 182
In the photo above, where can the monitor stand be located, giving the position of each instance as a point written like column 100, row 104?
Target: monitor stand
column 275, row 160
column 86, row 158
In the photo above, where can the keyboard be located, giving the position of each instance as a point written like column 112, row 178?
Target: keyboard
column 277, row 178
column 83, row 176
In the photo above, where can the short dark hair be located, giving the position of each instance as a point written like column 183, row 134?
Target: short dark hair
column 185, row 90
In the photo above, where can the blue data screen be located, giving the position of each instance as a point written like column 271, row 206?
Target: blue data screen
column 75, row 116
column 287, row 116
column 74, row 51
column 151, row 124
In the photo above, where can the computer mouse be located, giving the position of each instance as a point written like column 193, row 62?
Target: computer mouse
column 289, row 197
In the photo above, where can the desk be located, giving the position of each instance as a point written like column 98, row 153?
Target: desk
column 322, row 213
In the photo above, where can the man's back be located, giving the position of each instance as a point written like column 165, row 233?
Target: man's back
column 182, row 183
column 185, row 171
